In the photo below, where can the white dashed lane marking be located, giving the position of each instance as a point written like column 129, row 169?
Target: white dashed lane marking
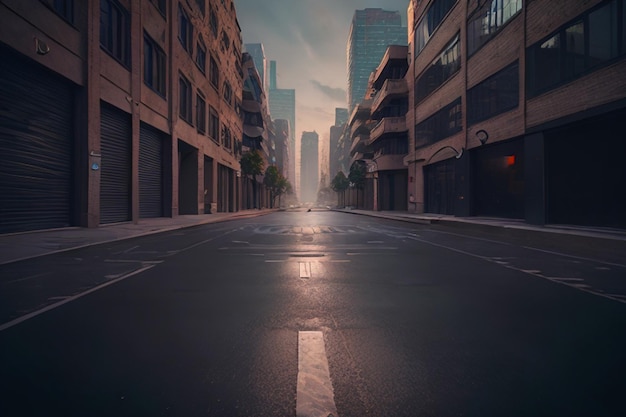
column 315, row 396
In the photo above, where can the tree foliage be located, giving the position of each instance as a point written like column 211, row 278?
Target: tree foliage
column 340, row 184
column 275, row 182
column 252, row 163
column 357, row 175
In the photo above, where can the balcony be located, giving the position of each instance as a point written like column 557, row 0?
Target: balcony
column 388, row 162
column 390, row 89
column 386, row 126
column 394, row 64
column 361, row 112
column 359, row 143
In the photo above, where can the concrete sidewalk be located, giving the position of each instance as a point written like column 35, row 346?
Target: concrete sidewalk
column 477, row 223
column 20, row 246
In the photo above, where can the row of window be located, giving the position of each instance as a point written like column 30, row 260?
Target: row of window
column 223, row 136
column 444, row 123
column 431, row 20
column 488, row 20
column 593, row 39
column 442, row 68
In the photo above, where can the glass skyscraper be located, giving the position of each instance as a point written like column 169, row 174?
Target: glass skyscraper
column 372, row 30
column 283, row 106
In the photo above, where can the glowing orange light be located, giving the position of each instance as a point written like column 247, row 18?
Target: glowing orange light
column 510, row 160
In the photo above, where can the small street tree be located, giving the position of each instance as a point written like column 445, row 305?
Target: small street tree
column 251, row 166
column 340, row 184
column 276, row 183
column 357, row 178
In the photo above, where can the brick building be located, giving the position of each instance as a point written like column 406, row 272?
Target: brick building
column 515, row 110
column 116, row 110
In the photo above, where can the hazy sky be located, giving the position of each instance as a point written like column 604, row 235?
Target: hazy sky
column 307, row 39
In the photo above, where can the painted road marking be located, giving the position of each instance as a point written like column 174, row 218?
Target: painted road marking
column 68, row 299
column 305, row 269
column 315, row 397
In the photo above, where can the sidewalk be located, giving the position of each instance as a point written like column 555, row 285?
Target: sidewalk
column 19, row 246
column 494, row 223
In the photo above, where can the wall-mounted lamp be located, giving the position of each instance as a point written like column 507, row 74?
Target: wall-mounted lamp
column 458, row 155
column 482, row 136
column 41, row 47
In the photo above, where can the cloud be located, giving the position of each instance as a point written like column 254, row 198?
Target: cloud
column 337, row 94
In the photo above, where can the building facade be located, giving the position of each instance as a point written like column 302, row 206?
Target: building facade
column 388, row 138
column 117, row 110
column 283, row 106
column 515, row 110
column 257, row 52
column 309, row 170
column 371, row 31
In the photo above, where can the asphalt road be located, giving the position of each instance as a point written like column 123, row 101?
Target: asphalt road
column 416, row 320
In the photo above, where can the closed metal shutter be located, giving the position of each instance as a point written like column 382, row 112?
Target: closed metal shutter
column 36, row 146
column 115, row 174
column 150, row 172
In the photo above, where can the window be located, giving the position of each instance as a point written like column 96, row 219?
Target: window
column 200, row 113
column 228, row 92
column 213, row 22
column 488, row 20
column 440, row 125
column 602, row 32
column 185, row 29
column 214, row 73
column 64, row 8
column 226, row 138
column 441, row 69
column 497, row 94
column 153, row 65
column 184, row 103
column 202, row 6
column 253, row 119
column 575, row 49
column 159, row 4
column 430, row 21
column 214, row 124
column 591, row 40
column 201, row 56
column 225, row 42
column 115, row 30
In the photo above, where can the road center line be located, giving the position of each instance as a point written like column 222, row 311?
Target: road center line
column 315, row 396
column 305, row 269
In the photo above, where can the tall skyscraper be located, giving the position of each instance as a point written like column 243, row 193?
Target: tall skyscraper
column 257, row 52
column 372, row 30
column 341, row 116
column 309, row 169
column 283, row 106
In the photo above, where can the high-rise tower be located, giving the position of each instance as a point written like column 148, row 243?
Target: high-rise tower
column 283, row 106
column 372, row 30
column 309, row 170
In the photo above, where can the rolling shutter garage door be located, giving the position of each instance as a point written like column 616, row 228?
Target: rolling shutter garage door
column 150, row 172
column 115, row 174
column 36, row 144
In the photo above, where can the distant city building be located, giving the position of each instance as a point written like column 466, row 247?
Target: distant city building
column 282, row 103
column 335, row 151
column 309, row 170
column 341, row 116
column 283, row 156
column 371, row 31
column 257, row 52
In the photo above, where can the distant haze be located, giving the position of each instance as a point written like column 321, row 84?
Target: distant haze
column 307, row 39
